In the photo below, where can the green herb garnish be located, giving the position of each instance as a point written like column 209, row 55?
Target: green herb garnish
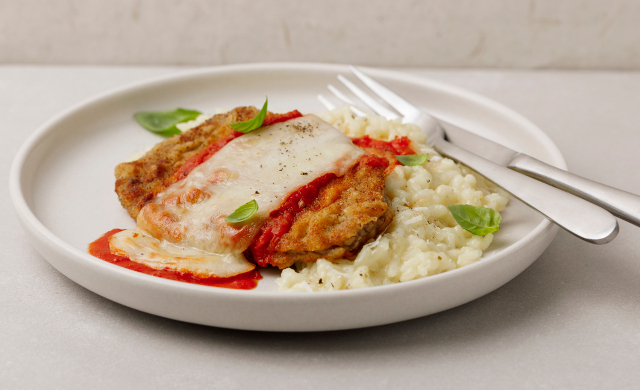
column 243, row 212
column 254, row 123
column 413, row 159
column 477, row 220
column 164, row 122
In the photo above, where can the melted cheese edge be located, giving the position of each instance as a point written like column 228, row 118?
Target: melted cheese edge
column 160, row 254
column 183, row 227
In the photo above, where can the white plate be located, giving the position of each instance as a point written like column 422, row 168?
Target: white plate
column 62, row 187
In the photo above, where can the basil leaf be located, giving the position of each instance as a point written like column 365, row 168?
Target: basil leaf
column 164, row 122
column 413, row 159
column 254, row 123
column 243, row 212
column 477, row 220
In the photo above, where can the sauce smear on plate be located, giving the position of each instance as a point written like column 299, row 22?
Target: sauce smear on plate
column 100, row 249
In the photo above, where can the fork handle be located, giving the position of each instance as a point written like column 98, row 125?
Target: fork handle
column 620, row 203
column 579, row 217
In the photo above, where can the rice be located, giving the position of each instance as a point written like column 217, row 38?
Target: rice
column 423, row 239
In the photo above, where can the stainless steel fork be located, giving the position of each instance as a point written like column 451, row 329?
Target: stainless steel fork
column 579, row 217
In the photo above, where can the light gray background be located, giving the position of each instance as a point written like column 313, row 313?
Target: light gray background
column 571, row 320
column 558, row 34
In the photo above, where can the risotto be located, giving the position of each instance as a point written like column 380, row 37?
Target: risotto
column 423, row 239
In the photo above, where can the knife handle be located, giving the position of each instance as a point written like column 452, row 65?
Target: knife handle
column 622, row 204
column 579, row 217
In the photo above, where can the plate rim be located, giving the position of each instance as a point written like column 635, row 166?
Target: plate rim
column 33, row 224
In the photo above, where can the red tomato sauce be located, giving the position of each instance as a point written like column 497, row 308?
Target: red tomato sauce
column 399, row 145
column 100, row 249
column 281, row 219
column 271, row 119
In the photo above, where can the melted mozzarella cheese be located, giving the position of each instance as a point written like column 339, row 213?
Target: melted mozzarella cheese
column 160, row 254
column 265, row 165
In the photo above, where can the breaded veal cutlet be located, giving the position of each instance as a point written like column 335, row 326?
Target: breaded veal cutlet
column 348, row 211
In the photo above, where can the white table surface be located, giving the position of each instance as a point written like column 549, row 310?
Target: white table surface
column 571, row 320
